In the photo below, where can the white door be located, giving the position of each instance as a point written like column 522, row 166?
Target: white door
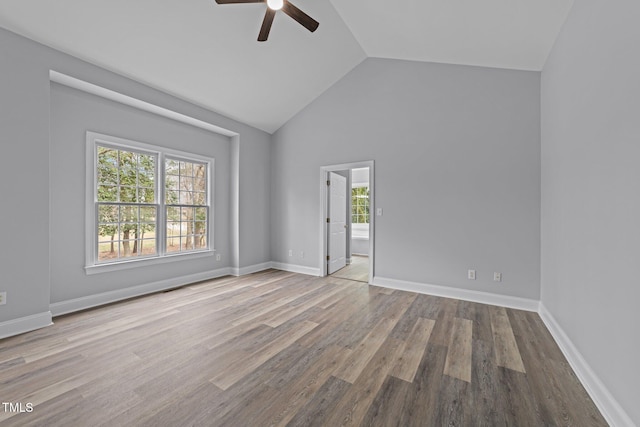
column 337, row 223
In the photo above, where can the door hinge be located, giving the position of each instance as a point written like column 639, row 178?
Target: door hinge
column 327, row 257
column 328, row 182
column 328, row 220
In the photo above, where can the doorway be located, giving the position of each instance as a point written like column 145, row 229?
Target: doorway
column 347, row 221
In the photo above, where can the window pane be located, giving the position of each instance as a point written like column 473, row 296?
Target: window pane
column 173, row 214
column 107, row 166
column 186, row 243
column 148, row 231
column 201, row 242
column 148, row 214
column 173, row 244
column 187, row 214
column 171, row 197
column 186, row 169
column 147, row 247
column 173, row 228
column 128, row 213
column 146, row 195
column 199, row 198
column 107, row 193
column 186, row 183
column 186, row 198
column 172, row 167
column 146, row 170
column 128, row 194
column 172, row 182
column 107, row 214
column 107, row 251
column 128, row 176
column 201, row 214
column 200, row 227
column 126, row 248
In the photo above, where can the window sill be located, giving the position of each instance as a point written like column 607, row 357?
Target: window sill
column 143, row 262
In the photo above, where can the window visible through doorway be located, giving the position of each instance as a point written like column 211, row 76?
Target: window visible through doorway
column 360, row 205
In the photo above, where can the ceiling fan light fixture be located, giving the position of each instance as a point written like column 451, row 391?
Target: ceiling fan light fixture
column 275, row 4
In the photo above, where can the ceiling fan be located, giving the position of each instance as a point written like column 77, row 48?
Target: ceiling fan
column 272, row 7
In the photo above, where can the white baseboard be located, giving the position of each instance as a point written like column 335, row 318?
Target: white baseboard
column 95, row 300
column 311, row 271
column 462, row 294
column 611, row 410
column 25, row 324
column 251, row 269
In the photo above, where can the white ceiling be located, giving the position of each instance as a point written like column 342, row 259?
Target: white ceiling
column 208, row 54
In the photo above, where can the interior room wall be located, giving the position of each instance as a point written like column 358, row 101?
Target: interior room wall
column 24, row 133
column 73, row 113
column 590, row 188
column 457, row 152
column 24, row 177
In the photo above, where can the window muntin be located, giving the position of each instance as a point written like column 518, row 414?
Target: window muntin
column 132, row 213
column 360, row 205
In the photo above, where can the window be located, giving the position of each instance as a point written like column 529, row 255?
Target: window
column 360, row 205
column 126, row 203
column 186, row 204
column 146, row 203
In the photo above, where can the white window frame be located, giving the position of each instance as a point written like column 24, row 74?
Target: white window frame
column 92, row 265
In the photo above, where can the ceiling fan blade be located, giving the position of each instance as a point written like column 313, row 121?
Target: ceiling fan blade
column 238, row 1
column 266, row 25
column 305, row 20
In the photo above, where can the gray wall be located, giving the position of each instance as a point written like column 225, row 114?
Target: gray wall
column 24, row 135
column 24, row 179
column 73, row 113
column 457, row 164
column 591, row 188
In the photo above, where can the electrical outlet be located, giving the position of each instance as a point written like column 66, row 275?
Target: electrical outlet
column 301, row 254
column 471, row 275
column 290, row 252
column 497, row 277
column 218, row 257
column 3, row 298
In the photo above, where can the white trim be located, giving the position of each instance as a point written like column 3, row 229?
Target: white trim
column 322, row 270
column 457, row 293
column 25, row 324
column 296, row 268
column 111, row 95
column 251, row 269
column 611, row 410
column 141, row 262
column 89, row 301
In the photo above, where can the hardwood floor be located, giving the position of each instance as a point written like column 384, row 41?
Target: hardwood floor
column 358, row 269
column 277, row 348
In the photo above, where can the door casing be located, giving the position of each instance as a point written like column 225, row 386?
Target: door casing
column 324, row 170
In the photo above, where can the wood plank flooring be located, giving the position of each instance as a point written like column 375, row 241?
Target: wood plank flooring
column 357, row 270
column 283, row 349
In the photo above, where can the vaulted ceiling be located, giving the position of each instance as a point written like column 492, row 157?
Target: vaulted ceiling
column 208, row 54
